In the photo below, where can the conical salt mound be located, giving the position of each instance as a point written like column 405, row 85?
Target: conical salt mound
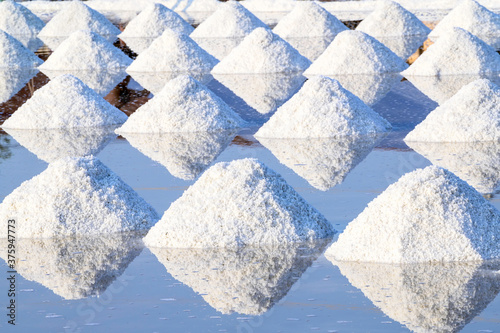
column 308, row 19
column 19, row 22
column 184, row 105
column 13, row 54
column 65, row 102
column 472, row 114
column 173, row 52
column 323, row 108
column 230, row 20
column 354, row 52
column 235, row 204
column 457, row 52
column 86, row 50
column 427, row 215
column 153, row 20
column 75, row 196
column 264, row 52
column 73, row 17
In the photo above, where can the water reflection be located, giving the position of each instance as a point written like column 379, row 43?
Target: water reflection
column 433, row 297
column 53, row 42
column 218, row 47
column 13, row 80
column 155, row 81
column 310, row 47
column 247, row 280
column 5, row 144
column 403, row 46
column 32, row 42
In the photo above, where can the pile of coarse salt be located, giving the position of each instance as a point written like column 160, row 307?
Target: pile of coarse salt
column 19, row 22
column 13, row 54
column 183, row 105
column 354, row 52
column 472, row 114
column 86, row 50
column 173, row 52
column 427, row 215
column 323, row 108
column 457, row 52
column 236, row 204
column 65, row 102
column 75, row 196
column 262, row 52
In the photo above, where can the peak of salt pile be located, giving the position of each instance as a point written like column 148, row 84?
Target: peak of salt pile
column 184, row 105
column 323, row 108
column 13, row 54
column 173, row 52
column 236, row 204
column 456, row 52
column 263, row 52
column 20, row 22
column 354, row 52
column 76, row 196
column 472, row 114
column 427, row 215
column 74, row 16
column 86, row 50
column 65, row 102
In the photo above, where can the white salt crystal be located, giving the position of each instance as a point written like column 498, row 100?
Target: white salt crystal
column 354, row 52
column 235, row 204
column 427, row 215
column 74, row 16
column 184, row 105
column 323, row 108
column 263, row 52
column 155, row 81
column 14, row 55
column 75, row 196
column 20, row 22
column 456, row 52
column 13, row 80
column 173, row 52
column 64, row 102
column 472, row 114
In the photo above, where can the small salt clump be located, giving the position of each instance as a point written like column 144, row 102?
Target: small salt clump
column 75, row 16
column 75, row 196
column 14, row 55
column 323, row 108
column 173, row 52
column 263, row 52
column 472, row 114
column 457, row 52
column 21, row 23
column 65, row 102
column 354, row 52
column 236, row 204
column 184, row 105
column 427, row 215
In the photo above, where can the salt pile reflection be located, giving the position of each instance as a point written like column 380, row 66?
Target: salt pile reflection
column 155, row 81
column 13, row 80
column 218, row 47
column 403, row 46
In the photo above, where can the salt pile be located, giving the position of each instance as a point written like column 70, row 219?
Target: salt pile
column 21, row 23
column 64, row 102
column 427, row 215
column 13, row 54
column 184, row 105
column 457, row 52
column 249, row 204
column 153, row 20
column 75, row 16
column 354, row 52
column 264, row 52
column 173, row 52
column 86, row 50
column 13, row 80
column 472, row 114
column 323, row 108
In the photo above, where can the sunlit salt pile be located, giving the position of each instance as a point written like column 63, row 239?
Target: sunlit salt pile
column 263, row 52
column 75, row 196
column 427, row 215
column 153, row 20
column 183, row 105
column 173, row 52
column 323, row 108
column 74, row 16
column 20, row 22
column 456, row 52
column 472, row 114
column 13, row 54
column 354, row 52
column 235, row 204
column 65, row 102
